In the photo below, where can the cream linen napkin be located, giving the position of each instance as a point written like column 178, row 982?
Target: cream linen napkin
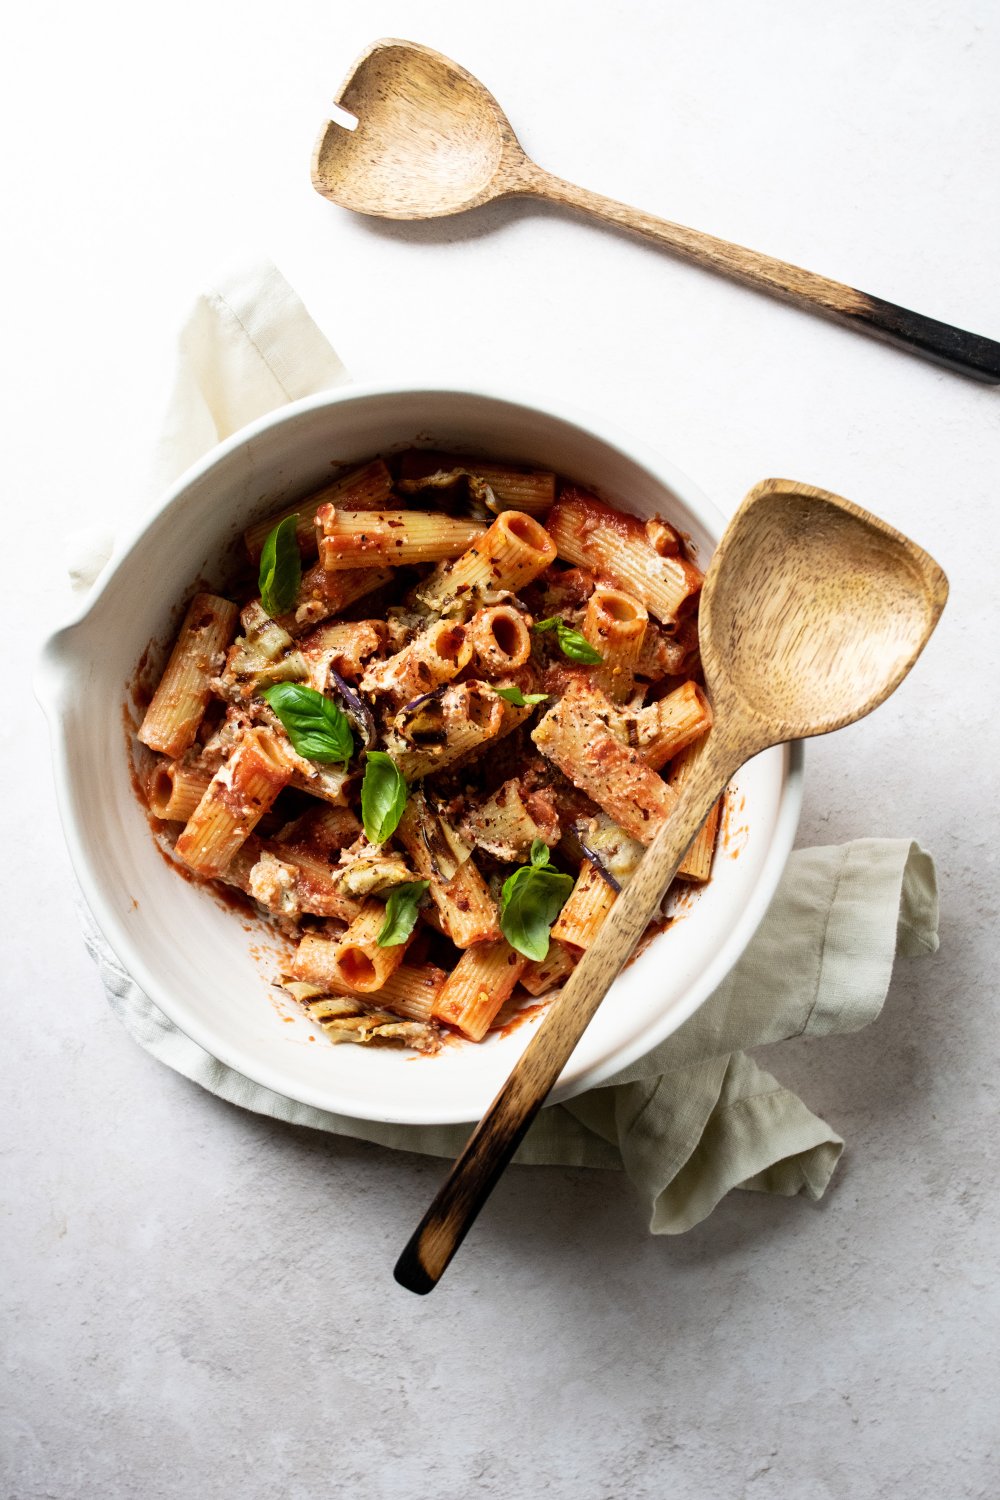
column 697, row 1116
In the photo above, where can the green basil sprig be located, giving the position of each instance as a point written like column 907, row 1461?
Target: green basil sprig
column 571, row 642
column 317, row 728
column 519, row 699
column 530, row 901
column 383, row 796
column 280, row 568
column 401, row 913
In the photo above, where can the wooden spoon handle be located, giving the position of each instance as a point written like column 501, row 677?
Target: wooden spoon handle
column 499, row 1133
column 968, row 353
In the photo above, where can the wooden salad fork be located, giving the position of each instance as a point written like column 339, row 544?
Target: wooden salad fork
column 812, row 613
column 430, row 140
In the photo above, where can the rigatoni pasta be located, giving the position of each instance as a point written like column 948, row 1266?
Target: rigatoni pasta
column 174, row 789
column 235, row 800
column 465, row 910
column 440, row 756
column 530, row 490
column 367, row 488
column 615, row 625
column 696, row 866
column 577, row 735
column 388, row 538
column 436, row 655
column 580, row 919
column 499, row 640
column 343, row 648
column 543, row 975
column 356, row 960
column 323, row 594
column 480, row 983
column 669, row 725
column 178, row 706
column 511, row 554
column 645, row 559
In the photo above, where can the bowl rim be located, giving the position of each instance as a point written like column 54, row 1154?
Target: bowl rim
column 50, row 677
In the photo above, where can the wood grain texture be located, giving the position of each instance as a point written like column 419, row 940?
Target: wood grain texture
column 813, row 611
column 432, row 141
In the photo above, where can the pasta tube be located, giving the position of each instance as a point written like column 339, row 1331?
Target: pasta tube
column 483, row 979
column 312, row 846
column 499, row 640
column 389, row 538
column 235, row 799
column 510, row 555
column 465, row 909
column 696, row 866
column 323, row 594
column 345, row 648
column 178, row 705
column 327, row 783
column 644, row 559
column 358, row 964
column 589, row 903
column 437, row 655
column 530, row 490
column 410, row 990
column 665, row 728
column 615, row 625
column 367, row 488
column 542, row 975
column 175, row 789
column 578, row 740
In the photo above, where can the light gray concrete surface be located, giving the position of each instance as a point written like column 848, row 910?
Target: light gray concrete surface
column 197, row 1302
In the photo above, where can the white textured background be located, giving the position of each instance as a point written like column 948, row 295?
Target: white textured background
column 198, row 1302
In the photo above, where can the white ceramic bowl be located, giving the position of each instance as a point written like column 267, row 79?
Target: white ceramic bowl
column 199, row 962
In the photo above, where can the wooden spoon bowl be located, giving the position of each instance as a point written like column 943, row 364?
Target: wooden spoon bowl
column 813, row 612
column 430, row 139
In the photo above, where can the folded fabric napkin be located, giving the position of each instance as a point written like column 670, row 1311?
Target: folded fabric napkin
column 692, row 1119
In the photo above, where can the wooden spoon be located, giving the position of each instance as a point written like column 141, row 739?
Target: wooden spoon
column 812, row 613
column 430, row 140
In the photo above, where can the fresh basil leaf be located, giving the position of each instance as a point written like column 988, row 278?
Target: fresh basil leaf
column 571, row 642
column 401, row 912
column 280, row 568
column 317, row 728
column 519, row 699
column 530, row 901
column 576, row 646
column 383, row 796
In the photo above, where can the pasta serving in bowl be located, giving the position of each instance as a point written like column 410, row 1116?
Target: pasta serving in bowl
column 426, row 704
column 421, row 719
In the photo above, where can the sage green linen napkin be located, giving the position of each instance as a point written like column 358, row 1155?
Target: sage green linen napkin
column 692, row 1119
